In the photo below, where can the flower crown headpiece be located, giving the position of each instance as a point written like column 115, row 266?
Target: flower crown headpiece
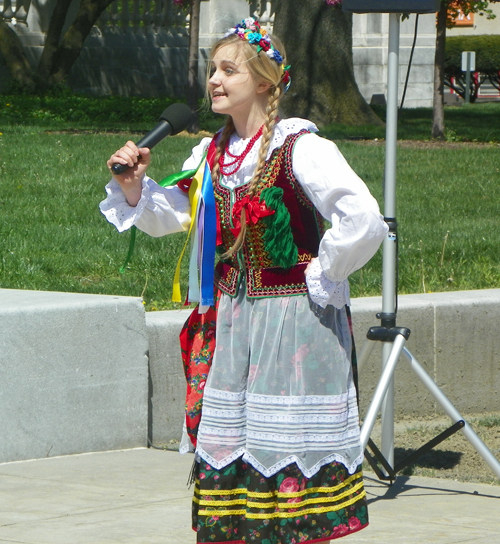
column 250, row 30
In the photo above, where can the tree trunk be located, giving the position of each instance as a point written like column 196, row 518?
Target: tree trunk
column 74, row 38
column 318, row 41
column 57, row 20
column 438, row 101
column 192, row 81
column 12, row 52
column 58, row 55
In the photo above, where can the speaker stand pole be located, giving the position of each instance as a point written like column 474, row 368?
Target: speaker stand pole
column 389, row 264
column 394, row 338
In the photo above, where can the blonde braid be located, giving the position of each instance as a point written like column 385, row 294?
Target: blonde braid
column 267, row 133
column 221, row 145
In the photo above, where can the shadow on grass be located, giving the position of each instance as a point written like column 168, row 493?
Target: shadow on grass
column 434, row 459
column 472, row 122
column 468, row 123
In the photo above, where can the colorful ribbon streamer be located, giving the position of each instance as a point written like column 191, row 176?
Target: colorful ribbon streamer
column 194, row 196
column 203, row 234
column 207, row 239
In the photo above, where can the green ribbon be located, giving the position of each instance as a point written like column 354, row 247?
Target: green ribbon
column 173, row 179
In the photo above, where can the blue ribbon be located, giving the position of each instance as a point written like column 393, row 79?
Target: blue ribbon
column 207, row 240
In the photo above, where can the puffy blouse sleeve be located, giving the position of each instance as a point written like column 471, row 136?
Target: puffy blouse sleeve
column 343, row 199
column 160, row 211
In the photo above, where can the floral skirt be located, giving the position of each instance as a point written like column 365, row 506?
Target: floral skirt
column 237, row 504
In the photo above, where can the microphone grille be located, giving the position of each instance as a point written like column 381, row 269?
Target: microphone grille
column 177, row 116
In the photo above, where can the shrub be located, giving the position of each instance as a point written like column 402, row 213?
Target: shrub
column 487, row 49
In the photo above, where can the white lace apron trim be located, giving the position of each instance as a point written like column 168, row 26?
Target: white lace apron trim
column 271, row 432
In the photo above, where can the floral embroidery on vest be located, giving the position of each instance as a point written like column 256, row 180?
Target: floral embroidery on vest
column 282, row 235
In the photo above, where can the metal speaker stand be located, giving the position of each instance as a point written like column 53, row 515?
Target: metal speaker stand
column 392, row 337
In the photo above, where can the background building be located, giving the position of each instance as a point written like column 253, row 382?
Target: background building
column 139, row 47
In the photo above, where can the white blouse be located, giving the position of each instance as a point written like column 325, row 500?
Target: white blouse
column 333, row 187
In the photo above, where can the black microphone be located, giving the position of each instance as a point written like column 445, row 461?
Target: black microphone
column 172, row 121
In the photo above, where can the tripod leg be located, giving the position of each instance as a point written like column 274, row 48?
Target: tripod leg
column 452, row 412
column 387, row 412
column 381, row 390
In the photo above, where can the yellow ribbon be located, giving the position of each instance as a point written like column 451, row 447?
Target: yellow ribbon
column 194, row 196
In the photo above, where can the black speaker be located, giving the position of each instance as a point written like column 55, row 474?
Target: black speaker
column 390, row 6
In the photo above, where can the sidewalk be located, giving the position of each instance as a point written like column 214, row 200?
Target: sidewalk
column 140, row 497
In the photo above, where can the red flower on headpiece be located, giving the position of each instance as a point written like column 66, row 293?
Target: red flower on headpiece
column 264, row 44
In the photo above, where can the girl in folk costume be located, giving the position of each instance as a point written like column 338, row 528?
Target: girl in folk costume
column 278, row 452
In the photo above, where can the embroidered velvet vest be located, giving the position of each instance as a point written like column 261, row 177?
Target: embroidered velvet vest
column 278, row 246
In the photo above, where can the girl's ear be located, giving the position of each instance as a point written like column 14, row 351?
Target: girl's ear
column 263, row 87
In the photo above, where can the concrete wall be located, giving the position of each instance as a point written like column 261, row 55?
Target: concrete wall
column 153, row 62
column 73, row 374
column 74, row 368
column 167, row 381
column 122, row 60
column 150, row 61
column 119, row 61
column 370, row 53
column 453, row 336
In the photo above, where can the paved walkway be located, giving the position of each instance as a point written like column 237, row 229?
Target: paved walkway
column 140, row 497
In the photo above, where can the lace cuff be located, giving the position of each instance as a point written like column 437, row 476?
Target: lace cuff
column 118, row 211
column 324, row 291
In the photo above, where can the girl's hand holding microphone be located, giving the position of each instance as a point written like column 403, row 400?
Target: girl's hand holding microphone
column 136, row 160
column 129, row 164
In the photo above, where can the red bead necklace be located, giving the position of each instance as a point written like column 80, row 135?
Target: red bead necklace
column 232, row 166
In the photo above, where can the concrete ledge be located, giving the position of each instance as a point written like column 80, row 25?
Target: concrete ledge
column 167, row 381
column 454, row 336
column 74, row 368
column 74, row 374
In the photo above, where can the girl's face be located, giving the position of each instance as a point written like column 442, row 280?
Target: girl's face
column 231, row 86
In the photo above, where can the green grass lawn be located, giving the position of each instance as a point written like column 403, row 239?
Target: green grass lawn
column 52, row 177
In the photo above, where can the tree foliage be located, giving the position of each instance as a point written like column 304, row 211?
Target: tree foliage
column 455, row 7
